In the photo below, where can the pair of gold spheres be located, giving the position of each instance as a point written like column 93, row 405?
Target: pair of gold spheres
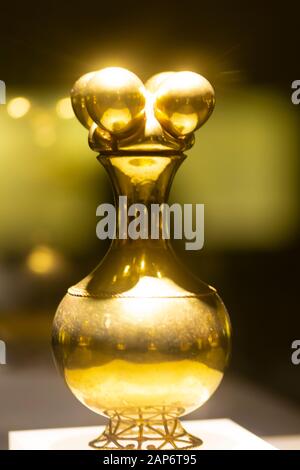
column 141, row 340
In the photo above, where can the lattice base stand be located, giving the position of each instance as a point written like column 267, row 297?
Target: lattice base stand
column 152, row 430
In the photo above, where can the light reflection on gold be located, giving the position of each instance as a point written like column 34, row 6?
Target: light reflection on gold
column 156, row 80
column 184, row 122
column 126, row 269
column 116, row 119
column 136, row 168
column 158, row 384
column 152, row 126
column 18, row 107
column 153, row 287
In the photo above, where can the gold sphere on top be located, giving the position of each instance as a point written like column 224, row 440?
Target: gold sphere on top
column 116, row 99
column 183, row 103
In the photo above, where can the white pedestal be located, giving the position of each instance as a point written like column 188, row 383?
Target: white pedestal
column 217, row 434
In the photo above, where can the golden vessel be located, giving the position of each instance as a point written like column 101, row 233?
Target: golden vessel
column 141, row 340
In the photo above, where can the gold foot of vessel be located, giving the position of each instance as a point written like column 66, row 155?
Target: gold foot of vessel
column 154, row 429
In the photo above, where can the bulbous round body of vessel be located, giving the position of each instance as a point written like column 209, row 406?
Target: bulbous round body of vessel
column 129, row 352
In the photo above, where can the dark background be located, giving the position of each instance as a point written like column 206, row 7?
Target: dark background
column 45, row 47
column 52, row 43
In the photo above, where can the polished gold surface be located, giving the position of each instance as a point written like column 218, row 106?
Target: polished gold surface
column 123, row 115
column 184, row 102
column 141, row 340
column 115, row 99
